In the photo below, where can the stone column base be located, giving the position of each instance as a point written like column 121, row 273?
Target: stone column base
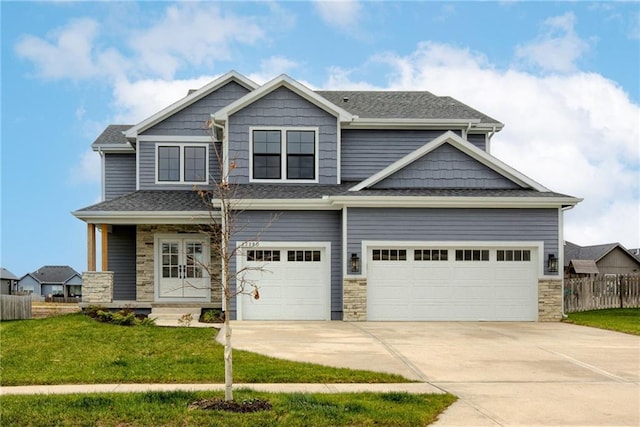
column 549, row 300
column 97, row 287
column 354, row 299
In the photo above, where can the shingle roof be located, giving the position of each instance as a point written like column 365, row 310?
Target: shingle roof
column 54, row 273
column 112, row 135
column 185, row 201
column 6, row 274
column 593, row 252
column 403, row 105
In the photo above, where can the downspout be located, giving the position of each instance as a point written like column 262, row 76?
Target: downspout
column 493, row 132
column 225, row 168
column 561, row 253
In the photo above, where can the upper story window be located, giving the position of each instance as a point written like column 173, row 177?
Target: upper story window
column 284, row 154
column 182, row 163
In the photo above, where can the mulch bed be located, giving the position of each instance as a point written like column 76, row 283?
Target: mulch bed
column 243, row 406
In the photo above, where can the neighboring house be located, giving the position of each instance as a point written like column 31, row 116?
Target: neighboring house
column 55, row 280
column 607, row 259
column 387, row 206
column 8, row 281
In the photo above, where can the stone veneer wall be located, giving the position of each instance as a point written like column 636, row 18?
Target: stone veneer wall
column 145, row 270
column 549, row 300
column 97, row 287
column 354, row 299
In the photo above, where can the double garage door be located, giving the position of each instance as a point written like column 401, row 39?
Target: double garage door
column 452, row 283
column 293, row 283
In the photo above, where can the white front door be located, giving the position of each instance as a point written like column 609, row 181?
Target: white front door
column 182, row 269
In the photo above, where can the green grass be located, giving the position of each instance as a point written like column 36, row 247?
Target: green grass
column 75, row 349
column 170, row 409
column 625, row 320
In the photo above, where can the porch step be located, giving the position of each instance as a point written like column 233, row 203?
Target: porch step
column 178, row 316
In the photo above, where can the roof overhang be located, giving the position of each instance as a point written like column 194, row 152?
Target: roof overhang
column 143, row 217
column 400, row 123
column 584, row 266
column 113, row 148
column 454, row 202
column 298, row 88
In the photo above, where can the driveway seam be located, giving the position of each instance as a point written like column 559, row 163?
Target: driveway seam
column 588, row 366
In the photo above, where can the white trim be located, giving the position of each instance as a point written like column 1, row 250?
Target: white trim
column 326, row 246
column 283, row 154
column 137, row 170
column 143, row 217
column 462, row 145
column 338, row 153
column 399, row 123
column 345, row 236
column 182, row 147
column 453, row 201
column 283, row 81
column 114, row 148
column 281, row 204
column 206, row 243
column 455, row 244
column 103, row 173
column 190, row 99
column 174, row 138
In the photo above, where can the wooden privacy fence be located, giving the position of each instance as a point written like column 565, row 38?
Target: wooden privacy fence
column 602, row 291
column 14, row 307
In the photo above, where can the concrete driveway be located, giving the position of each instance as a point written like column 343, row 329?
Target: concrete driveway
column 505, row 374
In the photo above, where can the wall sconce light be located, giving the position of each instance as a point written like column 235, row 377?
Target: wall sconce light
column 552, row 263
column 355, row 263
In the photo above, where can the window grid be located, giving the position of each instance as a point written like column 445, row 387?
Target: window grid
column 513, row 255
column 303, row 256
column 472, row 255
column 389, row 254
column 431, row 255
column 178, row 163
column 263, row 255
column 284, row 154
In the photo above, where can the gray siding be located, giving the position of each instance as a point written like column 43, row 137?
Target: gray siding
column 281, row 108
column 479, row 140
column 122, row 261
column 446, row 167
column 147, row 167
column 28, row 283
column 190, row 121
column 297, row 226
column 453, row 224
column 119, row 174
column 366, row 152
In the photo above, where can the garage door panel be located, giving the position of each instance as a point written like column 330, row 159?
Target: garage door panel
column 453, row 289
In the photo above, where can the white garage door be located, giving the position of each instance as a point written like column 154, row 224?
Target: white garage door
column 293, row 283
column 459, row 283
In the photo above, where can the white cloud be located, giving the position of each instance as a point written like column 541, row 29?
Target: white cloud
column 67, row 55
column 87, row 170
column 192, row 34
column 272, row 67
column 344, row 15
column 576, row 134
column 557, row 49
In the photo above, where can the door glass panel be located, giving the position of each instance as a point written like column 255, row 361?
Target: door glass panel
column 170, row 260
column 194, row 259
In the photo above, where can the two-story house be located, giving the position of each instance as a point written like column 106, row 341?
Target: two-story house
column 360, row 205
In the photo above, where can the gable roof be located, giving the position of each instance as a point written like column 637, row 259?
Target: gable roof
column 192, row 97
column 296, row 87
column 6, row 274
column 593, row 252
column 583, row 266
column 466, row 147
column 407, row 105
column 58, row 274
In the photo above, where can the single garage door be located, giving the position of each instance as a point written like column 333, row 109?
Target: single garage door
column 452, row 283
column 293, row 282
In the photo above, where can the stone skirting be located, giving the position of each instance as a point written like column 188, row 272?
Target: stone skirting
column 354, row 299
column 97, row 287
column 145, row 266
column 549, row 300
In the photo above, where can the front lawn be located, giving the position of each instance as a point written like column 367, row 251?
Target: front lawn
column 625, row 320
column 171, row 409
column 75, row 349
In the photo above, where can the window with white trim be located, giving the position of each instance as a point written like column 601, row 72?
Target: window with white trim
column 513, row 255
column 430, row 255
column 303, row 256
column 283, row 154
column 389, row 255
column 263, row 255
column 182, row 163
column 472, row 255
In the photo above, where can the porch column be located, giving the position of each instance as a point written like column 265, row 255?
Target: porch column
column 105, row 247
column 91, row 247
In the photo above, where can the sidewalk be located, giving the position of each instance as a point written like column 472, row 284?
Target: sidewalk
column 271, row 388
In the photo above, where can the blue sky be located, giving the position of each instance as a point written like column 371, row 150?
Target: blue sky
column 562, row 76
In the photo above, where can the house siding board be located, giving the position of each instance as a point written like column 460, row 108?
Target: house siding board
column 147, row 167
column 366, row 152
column 618, row 262
column 478, row 139
column 296, row 226
column 191, row 120
column 283, row 108
column 119, row 174
column 28, row 283
column 122, row 261
column 447, row 167
column 453, row 225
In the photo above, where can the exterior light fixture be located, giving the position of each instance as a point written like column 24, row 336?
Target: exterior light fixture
column 552, row 263
column 355, row 263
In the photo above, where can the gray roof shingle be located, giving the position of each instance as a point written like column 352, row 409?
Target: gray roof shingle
column 6, row 274
column 593, row 252
column 54, row 273
column 112, row 135
column 403, row 105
